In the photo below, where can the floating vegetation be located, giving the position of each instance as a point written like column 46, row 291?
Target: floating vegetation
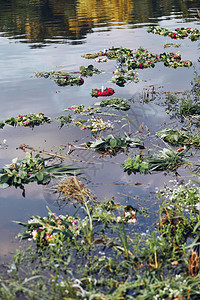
column 102, row 92
column 180, row 137
column 112, row 145
column 164, row 160
column 166, row 45
column 64, row 120
column 2, row 124
column 89, row 71
column 70, row 189
column 141, row 59
column 48, row 230
column 178, row 33
column 31, row 169
column 122, row 76
column 115, row 102
column 29, row 120
column 95, row 124
column 82, row 109
column 182, row 107
column 62, row 78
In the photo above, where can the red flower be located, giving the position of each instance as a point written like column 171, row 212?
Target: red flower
column 140, row 66
column 41, row 114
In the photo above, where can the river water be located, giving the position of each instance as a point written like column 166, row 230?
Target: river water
column 45, row 35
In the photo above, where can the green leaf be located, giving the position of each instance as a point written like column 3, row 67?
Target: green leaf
column 4, row 185
column 113, row 143
column 40, row 176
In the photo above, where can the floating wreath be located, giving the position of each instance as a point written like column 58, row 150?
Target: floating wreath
column 48, row 229
column 102, row 92
column 177, row 137
column 62, row 78
column 178, row 33
column 29, row 120
column 31, row 169
column 95, row 124
column 82, row 109
column 165, row 160
column 112, row 144
column 115, row 102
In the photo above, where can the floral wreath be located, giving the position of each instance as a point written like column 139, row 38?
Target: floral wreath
column 102, row 92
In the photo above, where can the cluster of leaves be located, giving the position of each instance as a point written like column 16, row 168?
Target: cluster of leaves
column 160, row 265
column 102, row 92
column 29, row 120
column 89, row 71
column 178, row 33
column 112, row 144
column 122, row 76
column 164, row 160
column 31, row 169
column 180, row 137
column 82, row 109
column 62, row 78
column 141, row 59
column 45, row 230
column 117, row 103
column 64, row 120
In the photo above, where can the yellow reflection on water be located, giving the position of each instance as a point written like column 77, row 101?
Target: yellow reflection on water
column 91, row 12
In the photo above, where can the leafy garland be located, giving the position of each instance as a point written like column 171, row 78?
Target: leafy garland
column 62, row 78
column 82, row 109
column 177, row 137
column 29, row 120
column 178, row 33
column 102, row 92
column 141, row 58
column 115, row 102
column 95, row 124
column 122, row 76
column 89, row 71
column 167, row 159
column 31, row 169
column 112, row 144
column 47, row 230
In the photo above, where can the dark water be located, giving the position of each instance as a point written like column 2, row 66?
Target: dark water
column 52, row 35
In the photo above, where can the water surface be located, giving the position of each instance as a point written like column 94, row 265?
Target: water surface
column 50, row 35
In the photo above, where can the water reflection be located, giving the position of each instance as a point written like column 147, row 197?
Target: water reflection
column 45, row 21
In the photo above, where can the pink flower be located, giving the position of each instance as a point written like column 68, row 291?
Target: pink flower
column 26, row 123
column 20, row 116
column 140, row 66
column 83, row 128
